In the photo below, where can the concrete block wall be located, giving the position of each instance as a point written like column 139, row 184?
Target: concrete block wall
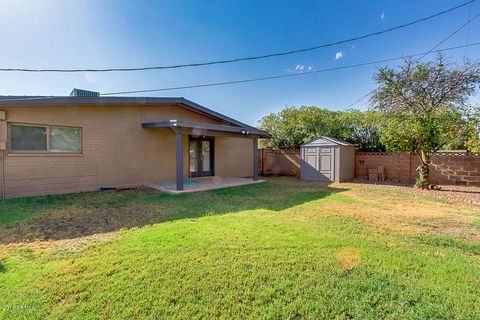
column 447, row 168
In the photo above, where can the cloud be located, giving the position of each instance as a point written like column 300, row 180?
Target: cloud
column 300, row 68
column 339, row 55
column 382, row 16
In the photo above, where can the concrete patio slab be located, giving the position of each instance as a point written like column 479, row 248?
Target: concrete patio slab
column 204, row 184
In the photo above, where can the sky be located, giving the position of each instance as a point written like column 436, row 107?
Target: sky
column 118, row 33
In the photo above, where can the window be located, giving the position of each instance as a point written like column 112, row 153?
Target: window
column 26, row 138
column 31, row 138
column 65, row 139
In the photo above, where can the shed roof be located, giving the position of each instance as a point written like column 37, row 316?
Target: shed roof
column 317, row 141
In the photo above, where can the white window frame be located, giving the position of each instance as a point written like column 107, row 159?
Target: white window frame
column 47, row 134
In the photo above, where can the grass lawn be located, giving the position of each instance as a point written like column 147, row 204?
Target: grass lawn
column 283, row 249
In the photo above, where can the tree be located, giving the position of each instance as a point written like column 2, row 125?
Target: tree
column 293, row 126
column 472, row 142
column 361, row 128
column 424, row 107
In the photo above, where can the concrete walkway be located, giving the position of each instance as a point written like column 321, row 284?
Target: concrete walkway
column 204, row 184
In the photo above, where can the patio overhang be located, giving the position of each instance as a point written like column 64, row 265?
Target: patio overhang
column 207, row 129
column 183, row 127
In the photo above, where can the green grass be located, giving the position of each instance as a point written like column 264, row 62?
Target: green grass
column 476, row 223
column 278, row 250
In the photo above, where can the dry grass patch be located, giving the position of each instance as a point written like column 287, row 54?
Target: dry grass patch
column 395, row 210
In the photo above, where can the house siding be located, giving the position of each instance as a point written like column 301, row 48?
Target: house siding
column 117, row 152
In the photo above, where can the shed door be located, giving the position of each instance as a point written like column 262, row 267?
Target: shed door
column 326, row 164
column 318, row 164
column 310, row 164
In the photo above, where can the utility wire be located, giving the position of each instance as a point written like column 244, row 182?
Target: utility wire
column 451, row 35
column 248, row 80
column 426, row 53
column 468, row 28
column 270, row 55
column 279, row 76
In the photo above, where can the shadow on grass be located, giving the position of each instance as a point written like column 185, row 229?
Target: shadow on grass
column 85, row 214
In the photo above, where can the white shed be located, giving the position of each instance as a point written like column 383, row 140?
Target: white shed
column 327, row 159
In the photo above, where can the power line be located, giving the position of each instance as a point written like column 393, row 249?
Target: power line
column 253, row 79
column 278, row 76
column 468, row 28
column 451, row 35
column 250, row 80
column 357, row 101
column 428, row 52
column 270, row 55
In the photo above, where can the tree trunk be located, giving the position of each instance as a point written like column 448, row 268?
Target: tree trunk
column 423, row 180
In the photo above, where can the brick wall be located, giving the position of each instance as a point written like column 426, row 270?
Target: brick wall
column 116, row 150
column 447, row 168
column 397, row 166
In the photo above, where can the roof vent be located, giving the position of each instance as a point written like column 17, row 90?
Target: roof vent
column 83, row 93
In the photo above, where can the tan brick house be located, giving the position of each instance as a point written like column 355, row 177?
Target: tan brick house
column 84, row 141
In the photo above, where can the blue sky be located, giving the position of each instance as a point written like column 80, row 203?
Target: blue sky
column 98, row 34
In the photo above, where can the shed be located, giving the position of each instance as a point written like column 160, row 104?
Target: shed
column 327, row 159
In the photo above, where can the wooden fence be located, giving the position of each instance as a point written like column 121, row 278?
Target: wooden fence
column 280, row 162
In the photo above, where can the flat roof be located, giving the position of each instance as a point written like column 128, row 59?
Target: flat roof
column 69, row 100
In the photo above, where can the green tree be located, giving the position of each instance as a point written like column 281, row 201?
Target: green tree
column 293, row 126
column 425, row 107
column 472, row 142
column 361, row 128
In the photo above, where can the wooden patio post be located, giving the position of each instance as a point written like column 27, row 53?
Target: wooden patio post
column 255, row 159
column 179, row 160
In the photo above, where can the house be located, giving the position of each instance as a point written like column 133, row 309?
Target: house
column 85, row 141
